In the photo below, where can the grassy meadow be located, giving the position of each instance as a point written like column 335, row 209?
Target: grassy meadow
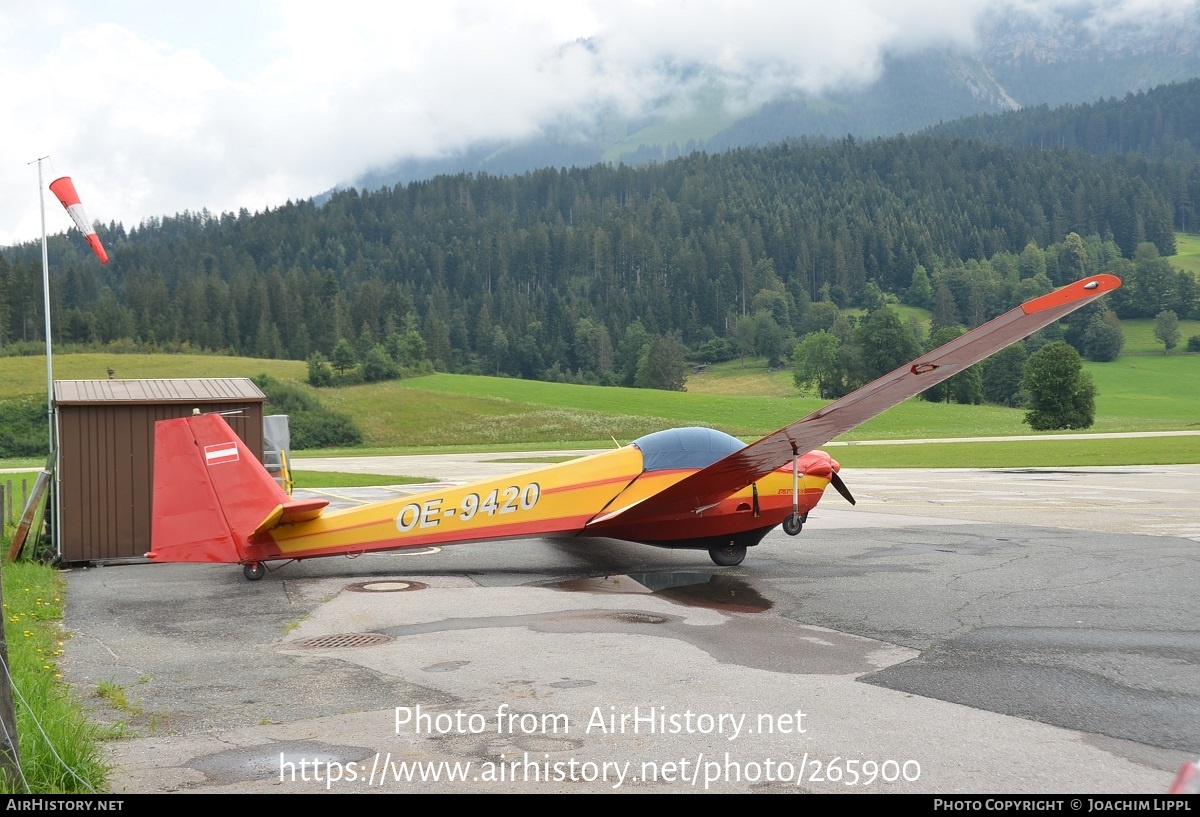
column 1140, row 340
column 339, row 479
column 1187, row 252
column 21, row 376
column 1144, row 390
column 1048, row 453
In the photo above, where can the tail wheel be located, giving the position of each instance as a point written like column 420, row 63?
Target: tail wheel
column 254, row 571
column 728, row 555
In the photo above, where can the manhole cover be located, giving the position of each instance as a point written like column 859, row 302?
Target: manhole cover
column 342, row 641
column 390, row 586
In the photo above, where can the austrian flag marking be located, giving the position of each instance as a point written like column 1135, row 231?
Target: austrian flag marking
column 222, row 452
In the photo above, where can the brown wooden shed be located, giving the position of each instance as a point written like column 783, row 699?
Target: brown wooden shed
column 106, row 453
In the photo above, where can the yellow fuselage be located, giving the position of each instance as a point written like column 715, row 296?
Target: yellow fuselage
column 554, row 500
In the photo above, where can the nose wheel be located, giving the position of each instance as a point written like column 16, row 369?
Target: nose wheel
column 254, row 571
column 793, row 524
column 728, row 555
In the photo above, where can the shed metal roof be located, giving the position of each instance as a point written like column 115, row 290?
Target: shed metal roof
column 182, row 390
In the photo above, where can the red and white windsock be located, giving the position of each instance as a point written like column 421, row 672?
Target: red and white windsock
column 65, row 190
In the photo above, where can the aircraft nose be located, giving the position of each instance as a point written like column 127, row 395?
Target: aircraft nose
column 820, row 465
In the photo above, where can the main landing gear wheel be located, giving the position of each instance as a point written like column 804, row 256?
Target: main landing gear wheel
column 254, row 571
column 793, row 525
column 727, row 555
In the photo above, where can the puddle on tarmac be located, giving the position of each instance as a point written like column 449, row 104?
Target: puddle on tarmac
column 716, row 591
column 446, row 666
column 273, row 761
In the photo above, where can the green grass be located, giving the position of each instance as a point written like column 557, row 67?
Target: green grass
column 32, row 616
column 533, row 460
column 339, row 479
column 486, row 412
column 28, row 477
column 441, row 412
column 1084, row 451
column 749, row 379
column 114, row 695
column 1023, row 454
column 1187, row 253
column 1133, row 397
column 914, row 313
column 1147, row 393
column 27, row 375
column 1140, row 340
column 564, row 412
column 906, row 313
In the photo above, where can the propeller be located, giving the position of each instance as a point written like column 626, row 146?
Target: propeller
column 841, row 488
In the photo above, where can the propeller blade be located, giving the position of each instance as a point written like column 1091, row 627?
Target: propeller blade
column 841, row 488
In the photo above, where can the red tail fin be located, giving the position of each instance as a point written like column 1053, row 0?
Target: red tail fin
column 210, row 492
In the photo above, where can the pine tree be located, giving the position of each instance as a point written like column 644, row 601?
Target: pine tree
column 343, row 356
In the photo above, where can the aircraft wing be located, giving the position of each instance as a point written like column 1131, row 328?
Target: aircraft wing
column 737, row 470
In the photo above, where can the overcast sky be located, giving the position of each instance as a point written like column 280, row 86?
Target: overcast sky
column 158, row 107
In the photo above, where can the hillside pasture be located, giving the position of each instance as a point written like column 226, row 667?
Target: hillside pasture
column 21, row 376
column 1147, row 393
column 456, row 412
column 1187, row 253
column 1140, row 340
column 749, row 379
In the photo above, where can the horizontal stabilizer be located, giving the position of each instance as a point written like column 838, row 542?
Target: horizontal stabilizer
column 299, row 510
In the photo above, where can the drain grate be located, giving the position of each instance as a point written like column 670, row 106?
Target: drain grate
column 386, row 586
column 342, row 641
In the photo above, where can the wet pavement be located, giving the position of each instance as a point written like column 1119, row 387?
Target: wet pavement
column 958, row 631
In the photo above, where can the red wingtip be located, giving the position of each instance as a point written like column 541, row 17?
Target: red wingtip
column 1085, row 288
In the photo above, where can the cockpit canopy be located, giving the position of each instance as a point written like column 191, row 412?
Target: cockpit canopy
column 685, row 448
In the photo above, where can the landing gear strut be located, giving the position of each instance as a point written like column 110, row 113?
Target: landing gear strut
column 795, row 523
column 727, row 555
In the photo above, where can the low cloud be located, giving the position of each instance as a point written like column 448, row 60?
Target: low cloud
column 287, row 99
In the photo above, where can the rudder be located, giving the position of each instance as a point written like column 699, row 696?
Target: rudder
column 210, row 492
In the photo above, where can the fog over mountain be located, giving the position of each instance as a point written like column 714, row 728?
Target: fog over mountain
column 992, row 57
